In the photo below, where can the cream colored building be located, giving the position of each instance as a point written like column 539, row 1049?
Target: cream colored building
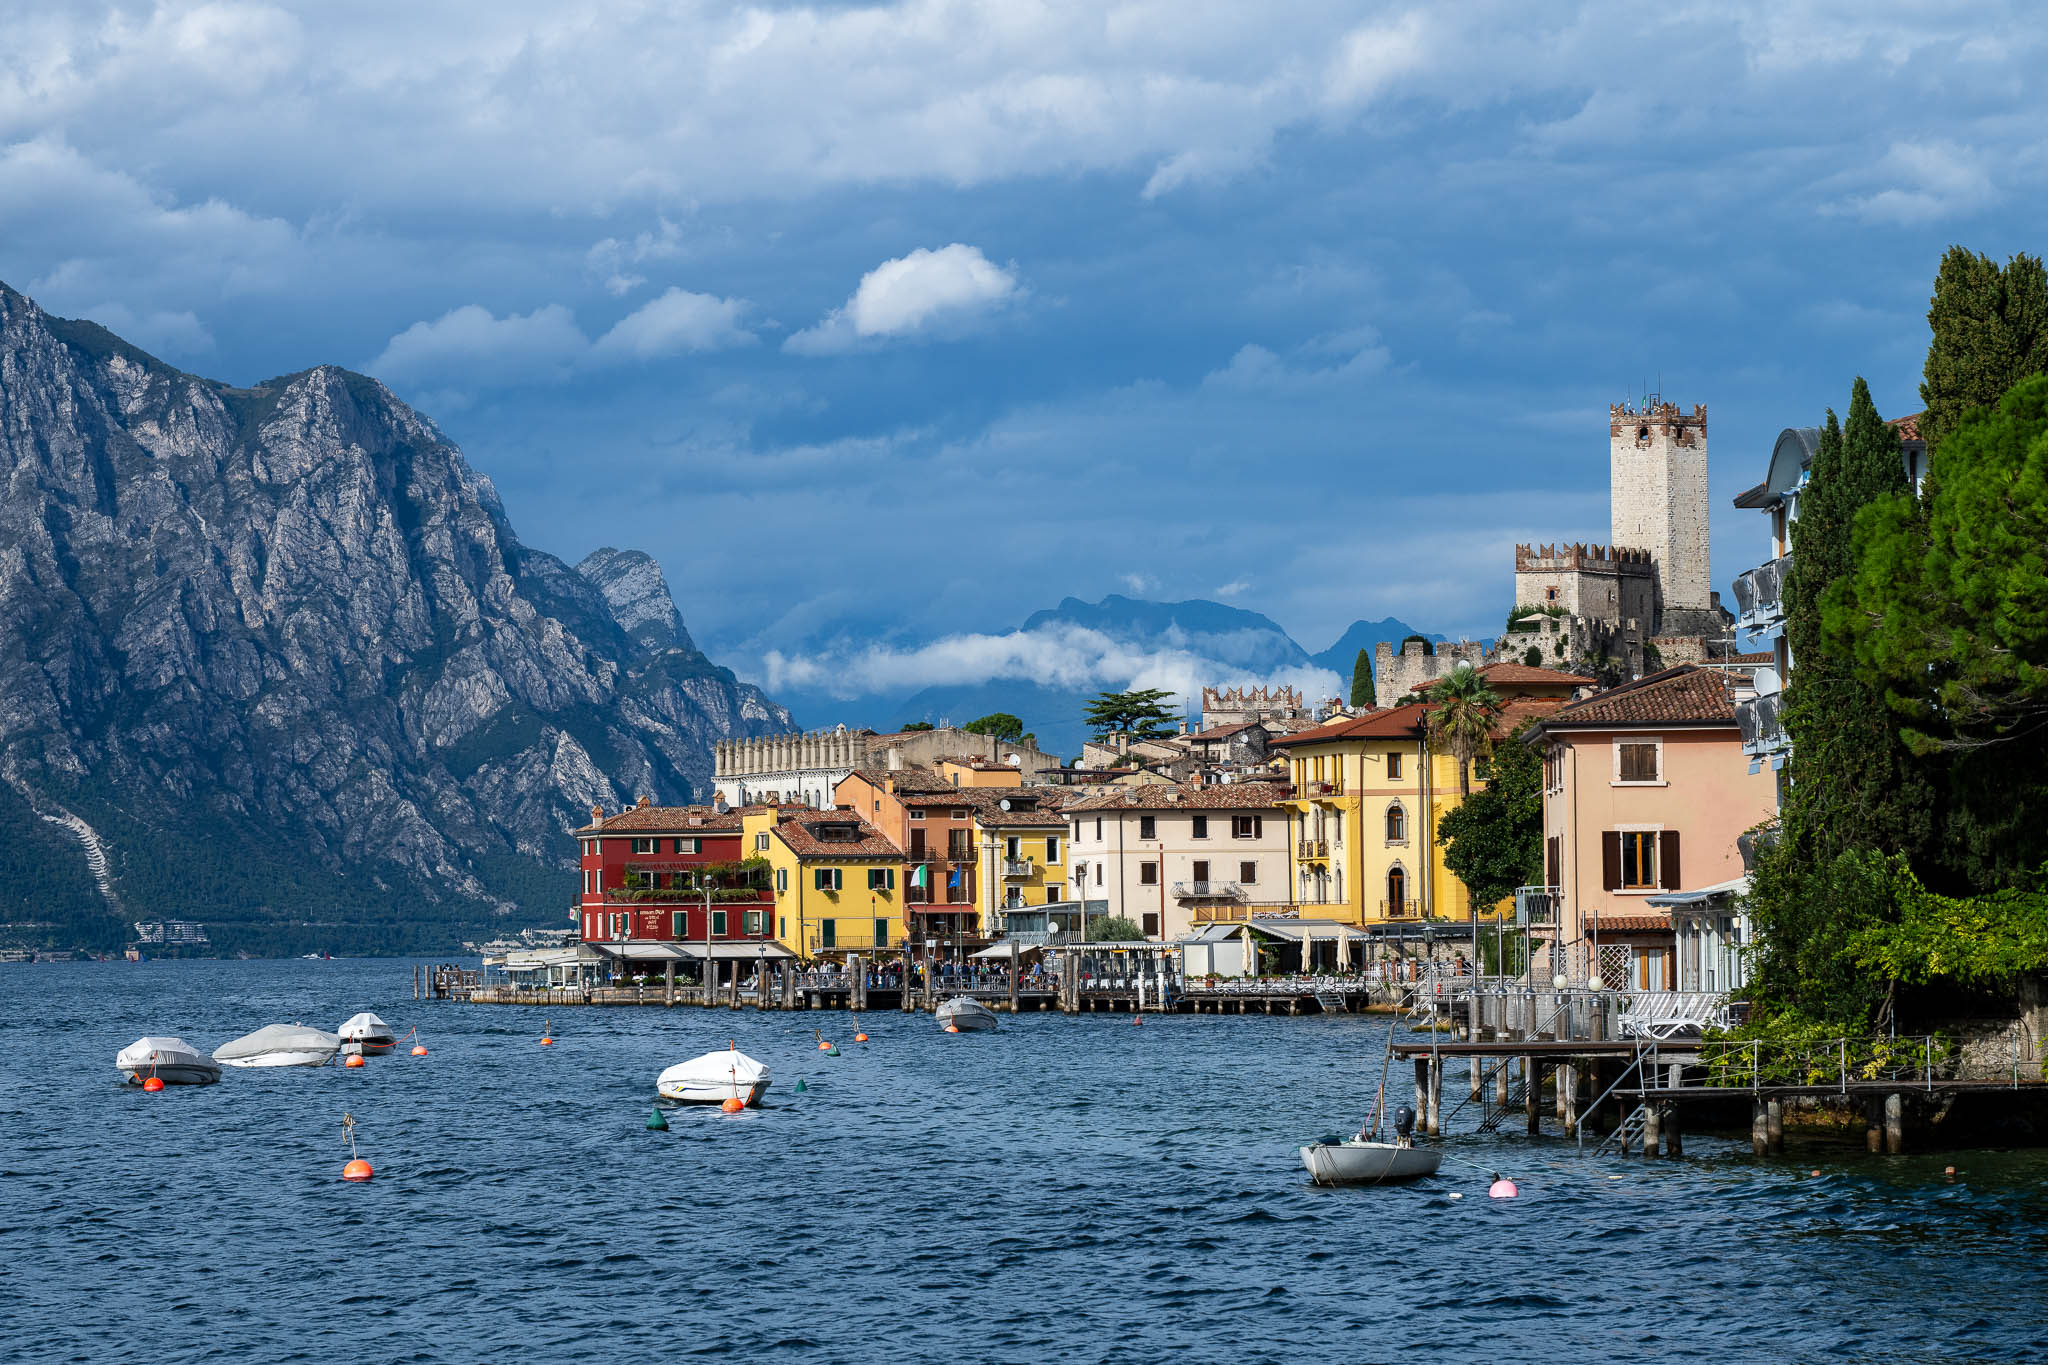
column 1174, row 858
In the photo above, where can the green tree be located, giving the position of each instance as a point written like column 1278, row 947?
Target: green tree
column 1948, row 614
column 1000, row 724
column 1990, row 331
column 1851, row 785
column 1112, row 929
column 1464, row 712
column 1493, row 839
column 917, row 725
column 1136, row 713
column 1361, row 680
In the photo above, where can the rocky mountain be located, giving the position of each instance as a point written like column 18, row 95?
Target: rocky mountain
column 275, row 660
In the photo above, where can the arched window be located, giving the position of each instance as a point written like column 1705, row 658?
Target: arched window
column 1397, row 824
column 1397, row 893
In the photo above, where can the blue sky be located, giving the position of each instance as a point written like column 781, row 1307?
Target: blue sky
column 881, row 323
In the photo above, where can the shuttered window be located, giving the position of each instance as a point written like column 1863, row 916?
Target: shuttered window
column 1639, row 860
column 1638, row 762
column 825, row 879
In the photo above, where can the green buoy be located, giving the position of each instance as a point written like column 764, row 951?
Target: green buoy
column 801, row 1087
column 655, row 1122
column 831, row 1049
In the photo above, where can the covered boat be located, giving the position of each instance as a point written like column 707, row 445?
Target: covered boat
column 280, row 1045
column 966, row 1014
column 366, row 1032
column 171, row 1060
column 714, row 1078
column 1357, row 1161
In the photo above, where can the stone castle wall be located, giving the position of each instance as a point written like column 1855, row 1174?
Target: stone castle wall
column 1242, row 705
column 1611, row 584
column 1395, row 676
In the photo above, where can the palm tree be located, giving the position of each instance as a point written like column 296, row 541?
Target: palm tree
column 1462, row 720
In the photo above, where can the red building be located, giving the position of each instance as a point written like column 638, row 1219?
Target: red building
column 674, row 874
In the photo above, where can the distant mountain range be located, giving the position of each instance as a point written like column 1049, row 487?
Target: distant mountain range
column 1181, row 646
column 275, row 660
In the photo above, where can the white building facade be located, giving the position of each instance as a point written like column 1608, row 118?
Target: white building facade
column 1172, row 859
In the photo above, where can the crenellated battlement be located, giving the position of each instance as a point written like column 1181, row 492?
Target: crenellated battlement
column 1560, row 558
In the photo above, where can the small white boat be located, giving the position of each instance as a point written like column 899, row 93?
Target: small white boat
column 366, row 1033
column 714, row 1078
column 171, row 1060
column 965, row 1013
column 280, row 1045
column 1356, row 1161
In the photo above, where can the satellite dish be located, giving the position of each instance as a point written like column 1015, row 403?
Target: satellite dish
column 1004, row 803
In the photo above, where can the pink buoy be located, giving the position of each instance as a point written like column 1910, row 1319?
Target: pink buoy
column 1502, row 1189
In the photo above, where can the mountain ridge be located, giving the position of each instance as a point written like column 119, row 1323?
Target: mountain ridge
column 292, row 616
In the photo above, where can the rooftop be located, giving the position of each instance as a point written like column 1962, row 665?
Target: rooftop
column 1684, row 695
column 1184, row 796
column 653, row 819
column 833, row 834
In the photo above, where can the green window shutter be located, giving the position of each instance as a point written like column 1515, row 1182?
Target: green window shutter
column 892, row 879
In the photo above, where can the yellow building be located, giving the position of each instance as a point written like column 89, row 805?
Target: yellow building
column 1022, row 835
column 838, row 881
column 978, row 772
column 1368, row 793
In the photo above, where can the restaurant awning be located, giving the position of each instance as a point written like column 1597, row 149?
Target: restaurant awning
column 646, row 952
column 1692, row 899
column 694, row 952
column 1002, row 949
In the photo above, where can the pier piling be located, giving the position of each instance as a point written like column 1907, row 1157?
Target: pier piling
column 1653, row 1123
column 1774, row 1124
column 1759, row 1129
column 1894, row 1123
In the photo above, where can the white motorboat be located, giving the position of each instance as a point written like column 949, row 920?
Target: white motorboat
column 966, row 1014
column 714, row 1078
column 280, row 1045
column 171, row 1060
column 1356, row 1161
column 366, row 1033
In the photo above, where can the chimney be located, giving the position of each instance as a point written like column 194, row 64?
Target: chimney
column 643, row 803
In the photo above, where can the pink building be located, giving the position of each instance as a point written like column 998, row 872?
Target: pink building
column 1645, row 794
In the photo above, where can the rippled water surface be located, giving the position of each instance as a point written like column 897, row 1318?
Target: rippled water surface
column 1071, row 1188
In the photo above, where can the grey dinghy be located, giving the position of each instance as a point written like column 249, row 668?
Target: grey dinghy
column 171, row 1060
column 965, row 1013
column 1357, row 1162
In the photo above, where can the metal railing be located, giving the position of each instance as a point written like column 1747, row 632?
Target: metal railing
column 1538, row 906
column 1315, row 848
column 1231, row 891
column 1326, row 789
column 1401, row 909
column 1019, row 867
column 1760, row 594
column 1760, row 720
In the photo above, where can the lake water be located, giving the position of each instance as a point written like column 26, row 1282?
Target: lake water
column 1067, row 1187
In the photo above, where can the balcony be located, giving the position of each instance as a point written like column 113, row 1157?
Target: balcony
column 1762, row 726
column 1019, row 868
column 1316, row 850
column 1537, row 906
column 1209, row 891
column 1326, row 789
column 1400, row 909
column 1760, row 595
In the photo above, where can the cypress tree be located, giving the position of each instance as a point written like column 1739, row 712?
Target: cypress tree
column 1990, row 330
column 1361, row 680
column 1852, row 786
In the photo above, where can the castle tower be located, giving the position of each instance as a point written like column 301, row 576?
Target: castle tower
column 1658, row 500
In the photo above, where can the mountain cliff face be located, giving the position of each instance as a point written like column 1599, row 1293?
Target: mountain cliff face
column 281, row 656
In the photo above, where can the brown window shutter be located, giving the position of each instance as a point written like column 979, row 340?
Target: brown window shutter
column 1610, row 859
column 1556, row 861
column 1667, row 858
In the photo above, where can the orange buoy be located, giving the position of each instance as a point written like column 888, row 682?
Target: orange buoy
column 733, row 1105
column 1136, row 1022
column 952, row 1028
column 419, row 1050
column 860, row 1037
column 352, row 1061
column 153, row 1084
column 358, row 1169
column 823, row 1045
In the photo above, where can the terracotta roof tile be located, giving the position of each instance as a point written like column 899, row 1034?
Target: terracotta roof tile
column 1398, row 722
column 1622, row 924
column 1183, row 796
column 800, row 832
column 667, row 820
column 1685, row 695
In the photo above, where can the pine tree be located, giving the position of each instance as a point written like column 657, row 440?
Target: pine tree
column 1361, row 680
column 1990, row 331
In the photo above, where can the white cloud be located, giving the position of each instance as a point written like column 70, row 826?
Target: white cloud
column 1138, row 583
column 925, row 291
column 1254, row 369
column 469, row 344
column 1235, row 588
column 1929, row 181
column 1064, row 656
column 678, row 321
column 614, row 257
column 470, row 347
